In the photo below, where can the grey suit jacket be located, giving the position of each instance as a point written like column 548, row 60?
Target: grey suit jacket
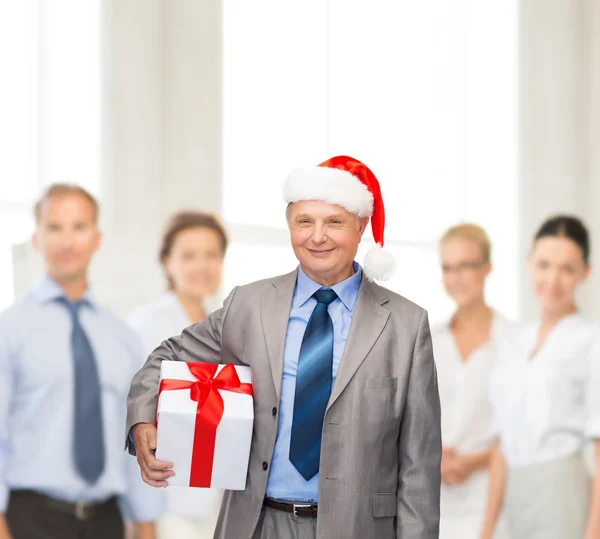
column 381, row 446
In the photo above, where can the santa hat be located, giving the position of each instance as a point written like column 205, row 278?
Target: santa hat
column 346, row 182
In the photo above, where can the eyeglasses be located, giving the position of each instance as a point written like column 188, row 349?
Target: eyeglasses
column 463, row 267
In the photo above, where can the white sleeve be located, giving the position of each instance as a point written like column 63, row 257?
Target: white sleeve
column 140, row 502
column 141, row 326
column 6, row 385
column 592, row 428
column 496, row 391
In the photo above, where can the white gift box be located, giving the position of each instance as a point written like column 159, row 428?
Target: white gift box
column 176, row 414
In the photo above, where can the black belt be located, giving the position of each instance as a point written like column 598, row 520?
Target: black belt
column 79, row 510
column 297, row 509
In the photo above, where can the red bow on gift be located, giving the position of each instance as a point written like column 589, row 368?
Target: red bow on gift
column 205, row 391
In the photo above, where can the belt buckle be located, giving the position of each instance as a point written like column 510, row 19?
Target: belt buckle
column 297, row 506
column 81, row 510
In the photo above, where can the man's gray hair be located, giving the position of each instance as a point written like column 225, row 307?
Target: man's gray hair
column 288, row 211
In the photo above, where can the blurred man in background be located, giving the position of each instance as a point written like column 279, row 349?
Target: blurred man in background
column 65, row 368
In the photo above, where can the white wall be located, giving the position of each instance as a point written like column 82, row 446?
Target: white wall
column 165, row 143
column 163, row 133
column 592, row 146
column 162, row 140
column 558, row 167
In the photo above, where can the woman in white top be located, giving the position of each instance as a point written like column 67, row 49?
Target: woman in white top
column 546, row 397
column 464, row 351
column 192, row 254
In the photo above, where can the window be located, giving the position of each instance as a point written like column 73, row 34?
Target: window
column 71, row 62
column 275, row 101
column 423, row 92
column 50, row 110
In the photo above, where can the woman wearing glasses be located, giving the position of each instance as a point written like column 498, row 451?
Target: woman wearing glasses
column 546, row 396
column 464, row 350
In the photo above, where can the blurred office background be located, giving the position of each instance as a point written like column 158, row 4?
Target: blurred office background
column 480, row 110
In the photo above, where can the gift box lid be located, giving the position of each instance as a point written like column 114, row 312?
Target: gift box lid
column 179, row 402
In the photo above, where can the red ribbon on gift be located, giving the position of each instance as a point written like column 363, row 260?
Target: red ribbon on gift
column 205, row 391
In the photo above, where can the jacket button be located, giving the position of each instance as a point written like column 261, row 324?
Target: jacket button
column 265, row 466
column 274, row 411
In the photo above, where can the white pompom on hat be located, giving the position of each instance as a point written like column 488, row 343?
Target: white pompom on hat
column 346, row 182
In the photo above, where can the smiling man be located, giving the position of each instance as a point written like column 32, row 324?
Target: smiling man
column 347, row 437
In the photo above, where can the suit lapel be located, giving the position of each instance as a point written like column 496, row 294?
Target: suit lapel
column 276, row 303
column 368, row 322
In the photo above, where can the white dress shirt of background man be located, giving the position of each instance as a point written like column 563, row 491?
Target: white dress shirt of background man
column 65, row 367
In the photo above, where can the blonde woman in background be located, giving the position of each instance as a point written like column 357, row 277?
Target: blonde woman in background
column 464, row 351
column 546, row 396
column 192, row 254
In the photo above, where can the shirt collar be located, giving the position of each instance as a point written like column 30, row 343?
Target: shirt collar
column 347, row 290
column 47, row 291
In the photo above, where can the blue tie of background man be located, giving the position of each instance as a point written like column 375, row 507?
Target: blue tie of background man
column 88, row 439
column 313, row 387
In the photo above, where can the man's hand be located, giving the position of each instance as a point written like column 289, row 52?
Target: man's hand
column 145, row 530
column 4, row 533
column 154, row 472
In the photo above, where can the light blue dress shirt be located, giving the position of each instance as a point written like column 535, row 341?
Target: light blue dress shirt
column 36, row 403
column 285, row 482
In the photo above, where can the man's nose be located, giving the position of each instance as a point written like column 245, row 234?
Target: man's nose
column 66, row 240
column 319, row 234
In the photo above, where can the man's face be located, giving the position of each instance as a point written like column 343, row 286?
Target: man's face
column 67, row 236
column 325, row 239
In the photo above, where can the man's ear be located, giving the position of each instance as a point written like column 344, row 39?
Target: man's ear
column 99, row 239
column 364, row 221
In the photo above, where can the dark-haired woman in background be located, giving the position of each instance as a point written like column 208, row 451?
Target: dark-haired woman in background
column 192, row 254
column 546, row 396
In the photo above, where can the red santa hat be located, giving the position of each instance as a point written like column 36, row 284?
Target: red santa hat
column 346, row 182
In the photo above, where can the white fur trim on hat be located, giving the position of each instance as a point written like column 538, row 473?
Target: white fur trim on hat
column 330, row 185
column 379, row 264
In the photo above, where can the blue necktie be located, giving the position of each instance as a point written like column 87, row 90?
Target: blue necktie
column 313, row 387
column 88, row 439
